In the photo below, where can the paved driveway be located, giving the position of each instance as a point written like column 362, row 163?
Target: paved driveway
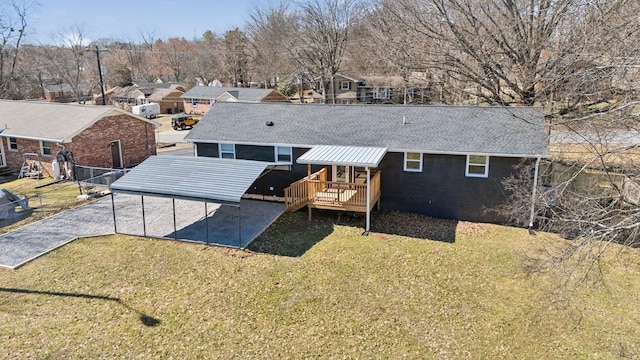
column 220, row 227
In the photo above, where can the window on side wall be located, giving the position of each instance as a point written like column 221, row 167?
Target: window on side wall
column 284, row 154
column 227, row 151
column 345, row 85
column 45, row 148
column 194, row 102
column 477, row 166
column 13, row 144
column 413, row 161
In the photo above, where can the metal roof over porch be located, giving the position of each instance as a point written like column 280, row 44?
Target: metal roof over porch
column 191, row 178
column 343, row 155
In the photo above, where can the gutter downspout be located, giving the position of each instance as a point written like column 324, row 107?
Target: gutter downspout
column 533, row 195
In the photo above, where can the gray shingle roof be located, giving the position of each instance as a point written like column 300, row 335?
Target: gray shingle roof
column 213, row 92
column 50, row 121
column 506, row 131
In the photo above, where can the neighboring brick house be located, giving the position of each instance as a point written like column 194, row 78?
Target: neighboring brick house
column 98, row 136
column 199, row 99
column 170, row 100
column 144, row 93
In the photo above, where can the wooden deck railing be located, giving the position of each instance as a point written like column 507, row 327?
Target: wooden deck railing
column 296, row 196
column 316, row 191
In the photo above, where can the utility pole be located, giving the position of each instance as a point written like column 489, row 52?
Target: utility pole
column 104, row 100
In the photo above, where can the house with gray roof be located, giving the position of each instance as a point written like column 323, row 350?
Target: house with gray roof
column 98, row 136
column 441, row 161
column 199, row 99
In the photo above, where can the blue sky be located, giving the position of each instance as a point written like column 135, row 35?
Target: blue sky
column 126, row 19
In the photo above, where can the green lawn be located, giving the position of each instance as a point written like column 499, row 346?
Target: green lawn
column 320, row 290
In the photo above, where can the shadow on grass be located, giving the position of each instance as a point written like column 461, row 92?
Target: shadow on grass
column 145, row 319
column 292, row 234
column 414, row 226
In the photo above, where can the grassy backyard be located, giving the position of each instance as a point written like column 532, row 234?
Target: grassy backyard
column 418, row 288
column 43, row 202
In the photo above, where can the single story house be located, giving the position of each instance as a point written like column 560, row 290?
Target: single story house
column 98, row 136
column 165, row 94
column 65, row 93
column 441, row 161
column 199, row 99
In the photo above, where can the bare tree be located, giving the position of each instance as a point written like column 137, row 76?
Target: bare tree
column 207, row 63
column 498, row 45
column 174, row 54
column 67, row 62
column 236, row 56
column 268, row 32
column 13, row 24
column 324, row 27
column 591, row 186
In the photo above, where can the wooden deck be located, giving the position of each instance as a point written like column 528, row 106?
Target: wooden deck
column 316, row 192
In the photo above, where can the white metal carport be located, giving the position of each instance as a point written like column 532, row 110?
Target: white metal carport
column 359, row 156
column 222, row 181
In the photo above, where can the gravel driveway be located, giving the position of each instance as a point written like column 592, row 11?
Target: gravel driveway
column 36, row 239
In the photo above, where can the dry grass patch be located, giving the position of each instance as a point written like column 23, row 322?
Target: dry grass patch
column 319, row 289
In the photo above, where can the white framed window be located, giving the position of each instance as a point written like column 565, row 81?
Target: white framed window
column 413, row 161
column 227, row 151
column 45, row 148
column 194, row 102
column 477, row 166
column 344, row 101
column 13, row 144
column 284, row 154
column 381, row 94
column 345, row 85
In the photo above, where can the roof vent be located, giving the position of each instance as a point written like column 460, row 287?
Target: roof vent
column 269, row 123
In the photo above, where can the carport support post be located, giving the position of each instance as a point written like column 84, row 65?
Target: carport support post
column 175, row 229
column 113, row 211
column 239, row 228
column 206, row 221
column 144, row 223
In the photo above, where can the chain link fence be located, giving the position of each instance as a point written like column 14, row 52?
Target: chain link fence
column 97, row 180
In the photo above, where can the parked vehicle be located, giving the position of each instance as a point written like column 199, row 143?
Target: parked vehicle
column 182, row 122
column 150, row 111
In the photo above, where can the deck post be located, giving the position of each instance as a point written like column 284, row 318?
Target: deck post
column 113, row 209
column 144, row 222
column 309, row 189
column 368, row 221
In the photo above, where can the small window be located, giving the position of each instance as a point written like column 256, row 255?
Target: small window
column 227, row 151
column 344, row 101
column 13, row 144
column 477, row 166
column 194, row 102
column 413, row 161
column 45, row 148
column 345, row 85
column 283, row 154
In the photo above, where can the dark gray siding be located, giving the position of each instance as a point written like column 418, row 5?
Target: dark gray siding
column 255, row 152
column 280, row 179
column 207, row 149
column 442, row 190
